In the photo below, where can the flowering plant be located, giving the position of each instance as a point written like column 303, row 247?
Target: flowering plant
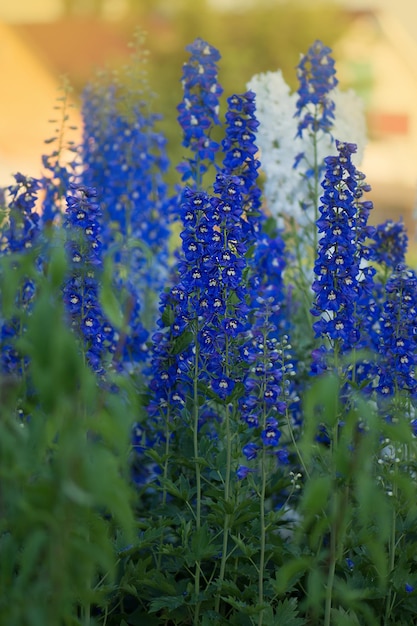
column 215, row 428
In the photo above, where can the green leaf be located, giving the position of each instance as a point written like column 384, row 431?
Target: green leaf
column 108, row 300
column 168, row 316
column 166, row 602
column 286, row 613
column 316, row 495
column 289, row 573
column 201, row 544
column 182, row 342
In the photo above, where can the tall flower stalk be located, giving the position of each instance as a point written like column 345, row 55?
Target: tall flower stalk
column 81, row 290
column 198, row 112
column 21, row 235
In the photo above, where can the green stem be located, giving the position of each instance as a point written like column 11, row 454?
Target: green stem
column 337, row 512
column 263, row 536
column 392, row 551
column 330, row 576
column 226, row 526
column 165, row 476
column 197, row 480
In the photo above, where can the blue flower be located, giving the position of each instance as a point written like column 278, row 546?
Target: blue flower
column 21, row 234
column 389, row 243
column 198, row 112
column 343, row 280
column 398, row 359
column 243, row 471
column 317, row 77
column 240, row 150
column 81, row 289
column 250, row 450
column 271, row 433
column 125, row 161
column 23, row 224
column 350, row 564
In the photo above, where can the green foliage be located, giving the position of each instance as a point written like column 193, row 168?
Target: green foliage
column 65, row 495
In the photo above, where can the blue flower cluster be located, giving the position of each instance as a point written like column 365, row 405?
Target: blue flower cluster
column 337, row 265
column 199, row 109
column 389, row 243
column 22, row 227
column 317, row 77
column 20, row 234
column 397, row 339
column 81, row 290
column 265, row 402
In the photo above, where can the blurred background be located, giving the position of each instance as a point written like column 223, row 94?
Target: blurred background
column 374, row 43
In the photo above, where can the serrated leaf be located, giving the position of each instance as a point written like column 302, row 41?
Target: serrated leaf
column 289, row 573
column 287, row 613
column 166, row 602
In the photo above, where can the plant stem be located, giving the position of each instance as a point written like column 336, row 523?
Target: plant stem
column 165, row 476
column 330, row 576
column 226, row 499
column 226, row 526
column 263, row 536
column 197, row 480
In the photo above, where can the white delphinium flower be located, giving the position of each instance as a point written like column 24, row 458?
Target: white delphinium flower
column 275, row 108
column 349, row 125
column 286, row 188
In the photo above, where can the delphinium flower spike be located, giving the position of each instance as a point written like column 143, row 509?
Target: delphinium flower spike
column 315, row 113
column 297, row 131
column 397, row 351
column 199, row 110
column 241, row 155
column 125, row 160
column 81, row 291
column 317, row 77
column 20, row 234
column 338, row 264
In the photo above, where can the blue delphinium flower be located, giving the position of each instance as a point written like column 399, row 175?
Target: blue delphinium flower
column 389, row 243
column 240, row 154
column 337, row 266
column 20, row 233
column 398, row 359
column 315, row 113
column 343, row 275
column 22, row 226
column 81, row 290
column 317, row 77
column 205, row 311
column 199, row 109
column 125, row 159
column 264, row 405
column 180, row 308
column 243, row 472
